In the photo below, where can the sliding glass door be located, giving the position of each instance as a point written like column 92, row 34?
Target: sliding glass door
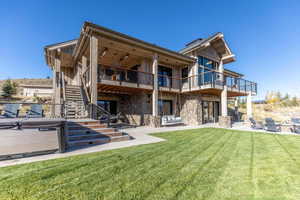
column 210, row 111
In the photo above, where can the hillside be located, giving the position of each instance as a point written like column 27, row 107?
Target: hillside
column 27, row 81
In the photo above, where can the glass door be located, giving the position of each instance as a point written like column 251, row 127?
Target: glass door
column 210, row 111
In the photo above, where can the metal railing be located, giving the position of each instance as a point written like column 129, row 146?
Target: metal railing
column 99, row 113
column 240, row 85
column 213, row 79
column 209, row 79
column 169, row 82
column 124, row 75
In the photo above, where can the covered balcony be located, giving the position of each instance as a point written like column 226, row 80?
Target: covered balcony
column 212, row 82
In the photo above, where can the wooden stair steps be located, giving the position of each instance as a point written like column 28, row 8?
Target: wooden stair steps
column 98, row 141
column 93, row 136
column 89, row 131
column 87, row 127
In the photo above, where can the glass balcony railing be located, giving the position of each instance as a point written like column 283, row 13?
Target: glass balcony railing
column 204, row 80
column 214, row 79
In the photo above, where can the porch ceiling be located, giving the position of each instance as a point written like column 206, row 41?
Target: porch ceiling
column 121, row 89
column 115, row 41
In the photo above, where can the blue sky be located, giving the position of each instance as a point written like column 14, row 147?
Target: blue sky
column 264, row 35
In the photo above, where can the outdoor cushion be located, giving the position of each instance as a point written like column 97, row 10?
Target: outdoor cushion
column 170, row 120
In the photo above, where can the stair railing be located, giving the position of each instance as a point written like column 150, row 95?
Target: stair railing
column 63, row 85
column 83, row 83
column 62, row 79
column 100, row 113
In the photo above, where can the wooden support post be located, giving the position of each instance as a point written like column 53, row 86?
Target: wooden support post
column 84, row 63
column 94, row 71
column 57, row 88
column 155, row 86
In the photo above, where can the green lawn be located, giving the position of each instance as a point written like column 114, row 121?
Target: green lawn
column 194, row 164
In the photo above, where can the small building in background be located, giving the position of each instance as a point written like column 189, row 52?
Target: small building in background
column 36, row 90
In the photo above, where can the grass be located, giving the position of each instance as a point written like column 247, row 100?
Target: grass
column 194, row 164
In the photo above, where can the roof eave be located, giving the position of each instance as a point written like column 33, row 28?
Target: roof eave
column 90, row 27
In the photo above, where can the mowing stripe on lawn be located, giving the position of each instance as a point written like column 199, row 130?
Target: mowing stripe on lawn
column 108, row 172
column 234, row 181
column 159, row 177
column 270, row 171
column 150, row 167
column 193, row 184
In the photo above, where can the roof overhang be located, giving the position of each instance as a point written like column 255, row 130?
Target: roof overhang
column 89, row 29
column 51, row 51
column 217, row 42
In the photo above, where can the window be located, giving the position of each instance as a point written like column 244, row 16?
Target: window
column 205, row 62
column 185, row 74
column 110, row 106
column 165, row 107
column 164, row 76
column 205, row 70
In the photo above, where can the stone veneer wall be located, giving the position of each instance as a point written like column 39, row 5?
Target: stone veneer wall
column 136, row 108
column 191, row 109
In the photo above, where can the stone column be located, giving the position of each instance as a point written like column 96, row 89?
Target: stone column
column 94, row 72
column 155, row 121
column 249, row 105
column 224, row 119
column 236, row 109
column 224, row 101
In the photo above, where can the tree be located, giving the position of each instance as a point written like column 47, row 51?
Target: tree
column 9, row 88
column 294, row 101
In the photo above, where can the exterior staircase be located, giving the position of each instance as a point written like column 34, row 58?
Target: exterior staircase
column 89, row 132
column 74, row 104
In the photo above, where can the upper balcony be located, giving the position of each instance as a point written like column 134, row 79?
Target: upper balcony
column 211, row 82
column 122, row 79
column 115, row 78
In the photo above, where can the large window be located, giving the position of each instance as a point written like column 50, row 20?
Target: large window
column 205, row 70
column 207, row 63
column 185, row 74
column 164, row 76
column 165, row 107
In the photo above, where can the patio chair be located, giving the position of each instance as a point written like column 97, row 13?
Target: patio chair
column 270, row 125
column 10, row 111
column 36, row 111
column 255, row 124
column 295, row 121
column 296, row 128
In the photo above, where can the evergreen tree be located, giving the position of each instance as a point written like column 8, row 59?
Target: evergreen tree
column 9, row 88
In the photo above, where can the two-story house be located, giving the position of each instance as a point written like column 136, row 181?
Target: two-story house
column 143, row 81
